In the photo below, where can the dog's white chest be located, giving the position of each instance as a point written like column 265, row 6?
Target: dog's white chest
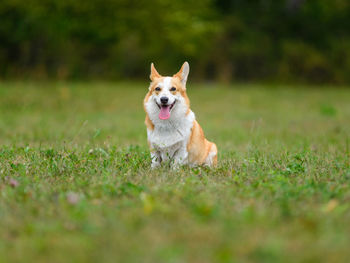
column 169, row 136
column 165, row 137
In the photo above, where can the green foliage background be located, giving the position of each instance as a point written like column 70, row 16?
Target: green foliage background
column 264, row 40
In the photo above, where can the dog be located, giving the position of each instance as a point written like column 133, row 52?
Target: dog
column 173, row 133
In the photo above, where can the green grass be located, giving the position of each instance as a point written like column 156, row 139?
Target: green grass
column 76, row 183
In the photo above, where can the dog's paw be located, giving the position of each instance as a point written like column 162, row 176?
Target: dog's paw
column 155, row 165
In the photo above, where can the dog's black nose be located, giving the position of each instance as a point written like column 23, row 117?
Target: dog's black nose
column 164, row 100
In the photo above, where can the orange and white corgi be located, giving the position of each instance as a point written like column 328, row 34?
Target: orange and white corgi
column 173, row 133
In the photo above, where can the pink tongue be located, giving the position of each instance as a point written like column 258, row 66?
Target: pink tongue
column 164, row 112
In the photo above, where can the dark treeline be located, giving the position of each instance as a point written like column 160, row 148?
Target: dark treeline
column 225, row 40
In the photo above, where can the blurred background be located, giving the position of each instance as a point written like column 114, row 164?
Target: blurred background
column 282, row 41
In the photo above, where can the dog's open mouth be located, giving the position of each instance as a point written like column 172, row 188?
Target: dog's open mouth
column 164, row 113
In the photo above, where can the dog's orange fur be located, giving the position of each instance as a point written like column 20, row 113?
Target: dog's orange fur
column 198, row 146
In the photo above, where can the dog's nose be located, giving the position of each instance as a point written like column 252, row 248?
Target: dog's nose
column 164, row 100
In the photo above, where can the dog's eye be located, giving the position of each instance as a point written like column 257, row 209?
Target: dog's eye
column 172, row 89
column 157, row 89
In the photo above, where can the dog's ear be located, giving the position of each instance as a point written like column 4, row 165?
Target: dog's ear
column 154, row 73
column 183, row 73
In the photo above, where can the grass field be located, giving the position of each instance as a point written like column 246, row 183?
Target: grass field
column 76, row 183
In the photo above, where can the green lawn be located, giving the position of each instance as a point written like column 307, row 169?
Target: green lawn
column 76, row 183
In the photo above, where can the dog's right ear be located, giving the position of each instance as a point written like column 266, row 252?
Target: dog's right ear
column 183, row 73
column 154, row 73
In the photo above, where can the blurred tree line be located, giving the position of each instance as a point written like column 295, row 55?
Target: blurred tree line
column 226, row 40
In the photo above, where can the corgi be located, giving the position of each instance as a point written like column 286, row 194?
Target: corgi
column 173, row 133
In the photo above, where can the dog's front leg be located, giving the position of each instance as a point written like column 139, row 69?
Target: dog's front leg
column 156, row 159
column 180, row 157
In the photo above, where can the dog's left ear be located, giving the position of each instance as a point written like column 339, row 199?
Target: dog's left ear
column 154, row 73
column 183, row 73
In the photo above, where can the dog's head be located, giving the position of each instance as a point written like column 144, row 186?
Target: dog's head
column 167, row 94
